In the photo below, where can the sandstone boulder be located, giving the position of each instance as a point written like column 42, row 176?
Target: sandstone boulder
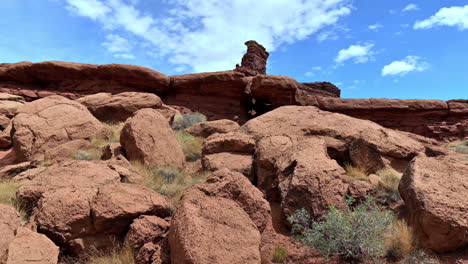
column 146, row 229
column 212, row 229
column 4, row 122
column 10, row 171
column 234, row 161
column 274, row 89
column 147, row 137
column 31, row 247
column 5, row 137
column 10, row 108
column 229, row 142
column 208, row 128
column 435, row 191
column 117, row 108
column 9, row 222
column 50, row 122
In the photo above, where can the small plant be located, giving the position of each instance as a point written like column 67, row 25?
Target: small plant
column 354, row 234
column 419, row 257
column 91, row 154
column 191, row 146
column 401, row 242
column 168, row 174
column 182, row 122
column 356, row 173
column 388, row 185
column 119, row 254
column 280, row 255
column 8, row 189
column 459, row 146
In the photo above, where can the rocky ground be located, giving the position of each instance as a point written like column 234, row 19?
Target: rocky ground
column 107, row 179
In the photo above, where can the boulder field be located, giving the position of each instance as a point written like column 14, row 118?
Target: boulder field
column 258, row 173
column 237, row 95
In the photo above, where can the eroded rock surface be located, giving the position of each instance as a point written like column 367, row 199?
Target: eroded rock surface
column 255, row 60
column 32, row 247
column 9, row 222
column 208, row 128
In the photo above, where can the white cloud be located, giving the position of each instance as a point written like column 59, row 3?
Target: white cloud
column 313, row 71
column 407, row 65
column 119, row 46
column 208, row 35
column 447, row 16
column 375, row 26
column 410, row 7
column 358, row 53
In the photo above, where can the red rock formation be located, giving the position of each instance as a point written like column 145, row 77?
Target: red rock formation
column 255, row 60
column 326, row 89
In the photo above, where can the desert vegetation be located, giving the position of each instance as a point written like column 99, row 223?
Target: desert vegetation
column 182, row 122
column 191, row 145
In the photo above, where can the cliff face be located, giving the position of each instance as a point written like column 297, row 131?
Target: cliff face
column 232, row 94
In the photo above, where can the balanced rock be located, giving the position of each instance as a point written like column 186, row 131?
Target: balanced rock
column 50, row 122
column 208, row 128
column 255, row 60
column 147, row 137
column 117, row 108
column 435, row 191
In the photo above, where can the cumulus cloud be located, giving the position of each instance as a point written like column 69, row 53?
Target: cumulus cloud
column 405, row 66
column 375, row 27
column 410, row 7
column 455, row 16
column 207, row 35
column 119, row 46
column 358, row 53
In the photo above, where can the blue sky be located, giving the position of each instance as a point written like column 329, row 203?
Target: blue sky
column 368, row 48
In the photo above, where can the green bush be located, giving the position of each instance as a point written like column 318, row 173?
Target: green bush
column 280, row 255
column 459, row 146
column 355, row 234
column 419, row 257
column 168, row 174
column 182, row 122
column 191, row 146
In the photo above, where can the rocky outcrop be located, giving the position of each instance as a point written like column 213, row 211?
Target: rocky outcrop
column 208, row 128
column 255, row 60
column 72, row 80
column 435, row 191
column 325, row 89
column 147, row 137
column 48, row 123
column 9, row 222
column 31, row 247
column 117, row 108
column 219, row 221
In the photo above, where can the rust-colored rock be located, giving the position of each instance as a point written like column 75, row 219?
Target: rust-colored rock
column 229, row 142
column 5, row 137
column 146, row 229
column 147, row 137
column 255, row 60
column 50, row 122
column 31, row 247
column 326, row 89
column 435, row 191
column 273, row 91
column 117, row 108
column 208, row 128
column 211, row 229
column 72, row 80
column 234, row 161
column 9, row 222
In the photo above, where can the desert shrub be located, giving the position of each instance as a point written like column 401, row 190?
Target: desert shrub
column 280, row 255
column 459, row 146
column 387, row 189
column 182, row 122
column 401, row 242
column 91, row 154
column 419, row 257
column 168, row 181
column 191, row 146
column 353, row 233
column 355, row 173
column 119, row 254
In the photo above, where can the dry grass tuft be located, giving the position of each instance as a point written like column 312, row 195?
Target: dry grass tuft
column 191, row 146
column 95, row 152
column 8, row 189
column 280, row 255
column 401, row 242
column 355, row 173
column 388, row 185
column 118, row 255
column 169, row 181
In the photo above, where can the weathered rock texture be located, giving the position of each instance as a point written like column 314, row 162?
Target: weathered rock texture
column 48, row 123
column 36, row 80
column 435, row 191
column 147, row 137
column 9, row 222
column 117, row 108
column 31, row 247
column 208, row 128
column 255, row 60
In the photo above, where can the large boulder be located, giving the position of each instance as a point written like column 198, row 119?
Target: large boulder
column 229, row 142
column 48, row 123
column 212, row 229
column 9, row 222
column 208, row 128
column 234, row 161
column 435, row 191
column 117, row 108
column 9, row 105
column 147, row 137
column 31, row 247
